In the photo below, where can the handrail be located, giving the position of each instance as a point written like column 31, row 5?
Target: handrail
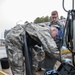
column 64, row 6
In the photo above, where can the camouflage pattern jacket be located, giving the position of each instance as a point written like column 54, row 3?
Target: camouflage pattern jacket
column 15, row 39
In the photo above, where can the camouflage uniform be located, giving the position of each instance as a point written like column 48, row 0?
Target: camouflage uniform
column 15, row 39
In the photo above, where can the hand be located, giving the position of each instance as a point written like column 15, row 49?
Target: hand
column 63, row 48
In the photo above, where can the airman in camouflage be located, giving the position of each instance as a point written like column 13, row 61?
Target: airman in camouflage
column 59, row 25
column 14, row 42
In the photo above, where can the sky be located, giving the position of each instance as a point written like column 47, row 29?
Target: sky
column 19, row 11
